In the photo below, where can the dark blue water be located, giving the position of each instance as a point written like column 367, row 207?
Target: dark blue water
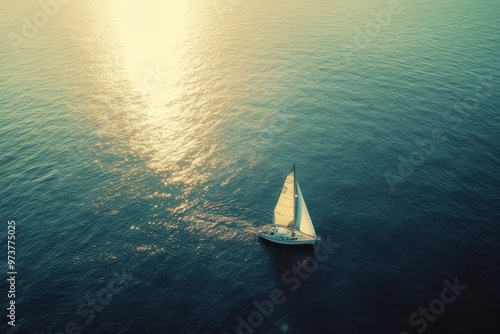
column 144, row 143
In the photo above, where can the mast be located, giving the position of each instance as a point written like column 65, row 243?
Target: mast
column 294, row 201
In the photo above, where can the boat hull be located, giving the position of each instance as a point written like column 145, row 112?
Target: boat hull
column 284, row 236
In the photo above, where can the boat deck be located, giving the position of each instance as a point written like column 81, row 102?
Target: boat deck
column 284, row 235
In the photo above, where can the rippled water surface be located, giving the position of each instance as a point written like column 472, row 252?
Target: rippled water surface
column 143, row 143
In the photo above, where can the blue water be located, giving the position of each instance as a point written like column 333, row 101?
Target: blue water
column 143, row 143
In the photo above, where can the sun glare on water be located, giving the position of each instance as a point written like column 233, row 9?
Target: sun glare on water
column 159, row 97
column 151, row 35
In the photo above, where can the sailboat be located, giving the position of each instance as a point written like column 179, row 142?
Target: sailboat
column 291, row 223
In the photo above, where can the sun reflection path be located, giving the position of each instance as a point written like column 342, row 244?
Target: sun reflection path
column 162, row 96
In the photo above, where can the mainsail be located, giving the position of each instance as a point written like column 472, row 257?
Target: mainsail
column 303, row 222
column 284, row 212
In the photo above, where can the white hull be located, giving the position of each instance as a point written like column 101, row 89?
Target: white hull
column 285, row 236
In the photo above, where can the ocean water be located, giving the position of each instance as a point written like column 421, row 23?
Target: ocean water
column 143, row 144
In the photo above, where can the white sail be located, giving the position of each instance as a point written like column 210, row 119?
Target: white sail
column 284, row 212
column 303, row 222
